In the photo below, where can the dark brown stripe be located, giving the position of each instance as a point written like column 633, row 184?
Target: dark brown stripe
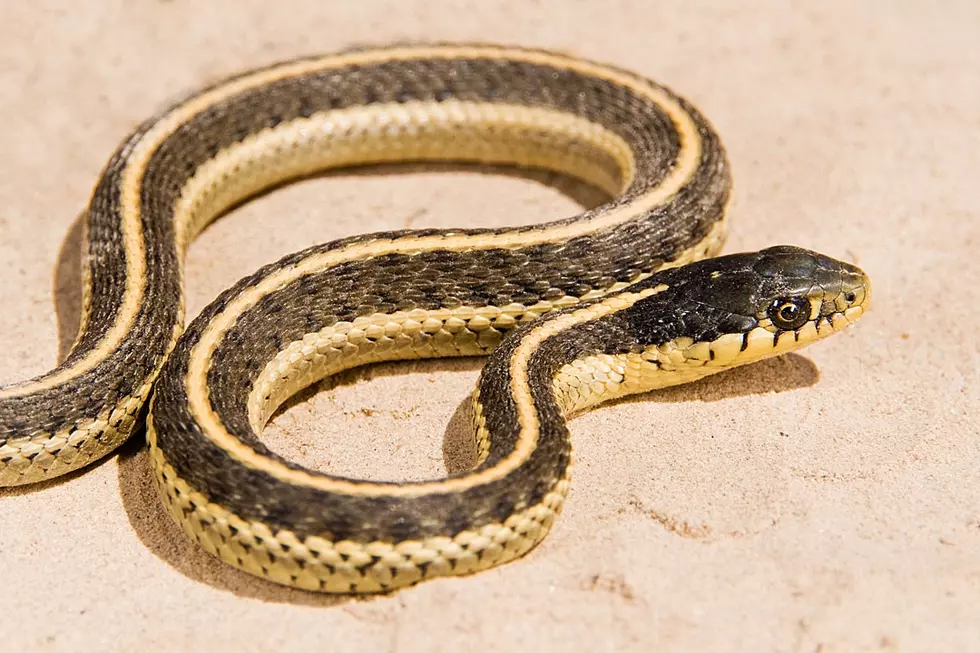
column 429, row 280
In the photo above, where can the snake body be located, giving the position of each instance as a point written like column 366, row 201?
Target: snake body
column 624, row 298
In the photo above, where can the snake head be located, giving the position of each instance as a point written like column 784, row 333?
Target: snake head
column 798, row 288
column 736, row 309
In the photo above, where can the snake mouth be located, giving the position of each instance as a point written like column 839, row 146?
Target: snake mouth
column 841, row 306
column 856, row 286
column 683, row 359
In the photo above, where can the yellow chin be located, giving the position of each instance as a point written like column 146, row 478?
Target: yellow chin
column 587, row 382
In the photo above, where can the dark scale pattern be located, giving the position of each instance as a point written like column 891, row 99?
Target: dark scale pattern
column 701, row 301
column 493, row 277
column 229, row 122
column 126, row 369
column 307, row 512
column 427, row 280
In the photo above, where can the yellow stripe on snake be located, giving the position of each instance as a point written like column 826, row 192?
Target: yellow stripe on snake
column 625, row 298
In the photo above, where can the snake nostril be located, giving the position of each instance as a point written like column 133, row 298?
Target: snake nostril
column 850, row 297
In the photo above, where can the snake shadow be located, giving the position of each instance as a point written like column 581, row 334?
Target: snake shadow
column 784, row 373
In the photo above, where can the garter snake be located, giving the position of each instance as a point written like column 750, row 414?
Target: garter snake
column 621, row 299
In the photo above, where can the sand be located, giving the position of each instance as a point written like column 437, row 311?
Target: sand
column 825, row 501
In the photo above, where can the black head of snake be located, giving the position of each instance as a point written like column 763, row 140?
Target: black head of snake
column 781, row 298
column 688, row 322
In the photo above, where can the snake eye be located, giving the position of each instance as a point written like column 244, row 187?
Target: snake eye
column 789, row 314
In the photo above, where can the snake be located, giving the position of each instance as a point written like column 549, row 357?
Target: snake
column 626, row 297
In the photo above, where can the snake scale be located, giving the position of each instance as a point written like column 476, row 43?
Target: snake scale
column 623, row 298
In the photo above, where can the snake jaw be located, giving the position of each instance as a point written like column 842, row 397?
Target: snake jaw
column 670, row 356
column 738, row 309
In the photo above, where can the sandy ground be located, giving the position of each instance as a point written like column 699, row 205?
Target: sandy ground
column 827, row 501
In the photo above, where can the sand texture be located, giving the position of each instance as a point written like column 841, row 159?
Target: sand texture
column 825, row 501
